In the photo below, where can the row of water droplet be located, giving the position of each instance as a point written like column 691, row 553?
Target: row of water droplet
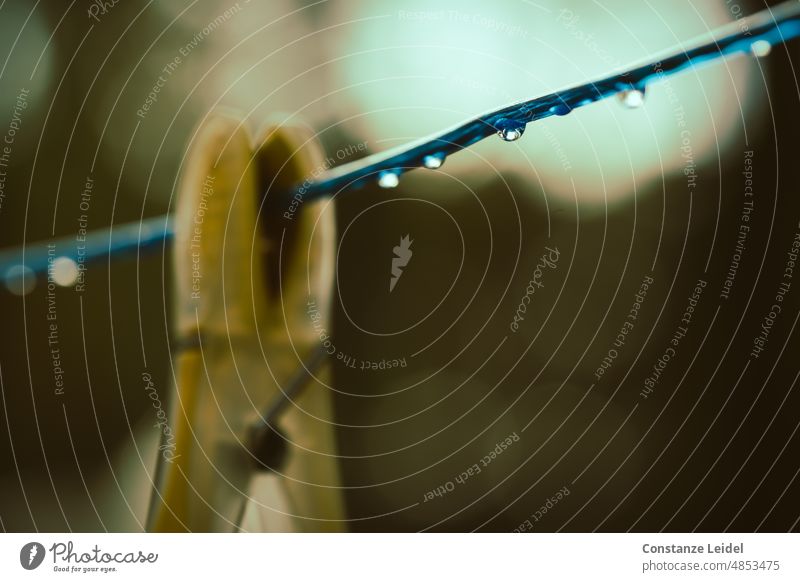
column 21, row 280
column 631, row 97
column 508, row 130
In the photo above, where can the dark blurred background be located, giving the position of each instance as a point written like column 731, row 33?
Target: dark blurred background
column 713, row 447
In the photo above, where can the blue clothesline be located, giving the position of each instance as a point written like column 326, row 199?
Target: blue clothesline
column 755, row 34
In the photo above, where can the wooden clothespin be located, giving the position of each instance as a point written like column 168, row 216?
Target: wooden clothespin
column 244, row 273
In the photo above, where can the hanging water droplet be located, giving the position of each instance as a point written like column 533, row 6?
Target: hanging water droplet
column 560, row 109
column 388, row 179
column 433, row 161
column 20, row 280
column 64, row 272
column 509, row 130
column 632, row 98
column 760, row 48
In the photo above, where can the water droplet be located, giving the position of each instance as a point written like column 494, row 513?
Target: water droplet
column 560, row 109
column 388, row 179
column 509, row 130
column 760, row 48
column 433, row 161
column 632, row 98
column 63, row 271
column 20, row 280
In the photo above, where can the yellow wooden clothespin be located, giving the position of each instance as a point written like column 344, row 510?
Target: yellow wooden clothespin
column 243, row 277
